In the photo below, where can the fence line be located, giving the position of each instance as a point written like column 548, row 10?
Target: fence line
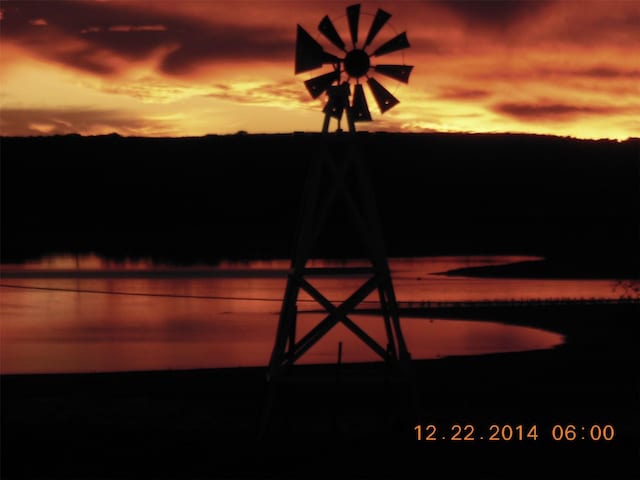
column 518, row 302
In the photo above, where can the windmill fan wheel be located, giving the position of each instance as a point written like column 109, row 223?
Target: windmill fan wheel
column 354, row 65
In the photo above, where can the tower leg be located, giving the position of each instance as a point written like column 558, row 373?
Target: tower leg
column 325, row 123
column 352, row 124
column 285, row 335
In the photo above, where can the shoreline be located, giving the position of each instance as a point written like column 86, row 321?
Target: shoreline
column 537, row 267
column 566, row 268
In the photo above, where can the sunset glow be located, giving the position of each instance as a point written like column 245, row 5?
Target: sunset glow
column 190, row 68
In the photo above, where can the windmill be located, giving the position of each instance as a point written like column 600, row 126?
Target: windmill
column 351, row 67
column 327, row 182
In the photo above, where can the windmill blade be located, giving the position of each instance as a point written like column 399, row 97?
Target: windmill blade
column 378, row 22
column 384, row 98
column 398, row 42
column 318, row 85
column 309, row 53
column 328, row 30
column 397, row 72
column 359, row 108
column 353, row 14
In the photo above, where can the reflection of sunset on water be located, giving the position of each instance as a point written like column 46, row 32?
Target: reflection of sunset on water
column 192, row 68
column 88, row 314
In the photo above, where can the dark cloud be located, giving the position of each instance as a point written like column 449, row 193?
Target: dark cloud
column 430, row 46
column 208, row 43
column 550, row 111
column 462, row 94
column 76, row 31
column 597, row 72
column 84, row 59
column 75, row 21
column 18, row 122
column 613, row 23
column 494, row 14
column 607, row 72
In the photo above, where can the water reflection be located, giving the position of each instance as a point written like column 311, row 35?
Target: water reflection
column 68, row 314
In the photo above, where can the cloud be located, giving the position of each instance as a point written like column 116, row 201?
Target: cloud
column 429, row 46
column 518, row 64
column 606, row 72
column 126, row 31
column 138, row 28
column 602, row 24
column 589, row 75
column 455, row 93
column 281, row 94
column 214, row 43
column 543, row 111
column 494, row 14
column 21, row 122
column 151, row 89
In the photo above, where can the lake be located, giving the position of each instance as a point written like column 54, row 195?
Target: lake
column 70, row 313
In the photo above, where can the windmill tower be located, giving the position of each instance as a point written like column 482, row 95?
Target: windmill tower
column 350, row 68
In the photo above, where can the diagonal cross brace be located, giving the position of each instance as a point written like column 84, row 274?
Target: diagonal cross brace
column 336, row 314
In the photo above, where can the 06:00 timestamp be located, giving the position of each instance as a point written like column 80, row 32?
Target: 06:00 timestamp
column 506, row 433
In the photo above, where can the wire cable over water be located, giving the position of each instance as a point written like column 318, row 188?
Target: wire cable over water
column 149, row 294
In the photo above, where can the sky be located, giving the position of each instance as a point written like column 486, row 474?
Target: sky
column 191, row 68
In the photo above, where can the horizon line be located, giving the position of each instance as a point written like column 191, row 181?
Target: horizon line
column 242, row 133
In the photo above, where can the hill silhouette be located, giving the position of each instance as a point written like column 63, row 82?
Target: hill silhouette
column 237, row 196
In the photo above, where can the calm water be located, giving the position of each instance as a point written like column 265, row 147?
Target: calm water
column 85, row 314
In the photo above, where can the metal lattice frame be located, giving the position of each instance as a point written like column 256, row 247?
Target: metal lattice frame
column 360, row 204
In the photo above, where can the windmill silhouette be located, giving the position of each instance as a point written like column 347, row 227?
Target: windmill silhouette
column 354, row 67
column 337, row 171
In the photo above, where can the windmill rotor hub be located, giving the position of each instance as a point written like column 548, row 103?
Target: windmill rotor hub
column 357, row 63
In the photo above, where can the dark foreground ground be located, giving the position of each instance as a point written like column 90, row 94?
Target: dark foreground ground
column 354, row 422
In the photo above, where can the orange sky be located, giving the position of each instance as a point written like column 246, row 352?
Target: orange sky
column 182, row 68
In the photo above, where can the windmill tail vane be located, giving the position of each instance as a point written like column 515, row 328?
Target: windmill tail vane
column 355, row 64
